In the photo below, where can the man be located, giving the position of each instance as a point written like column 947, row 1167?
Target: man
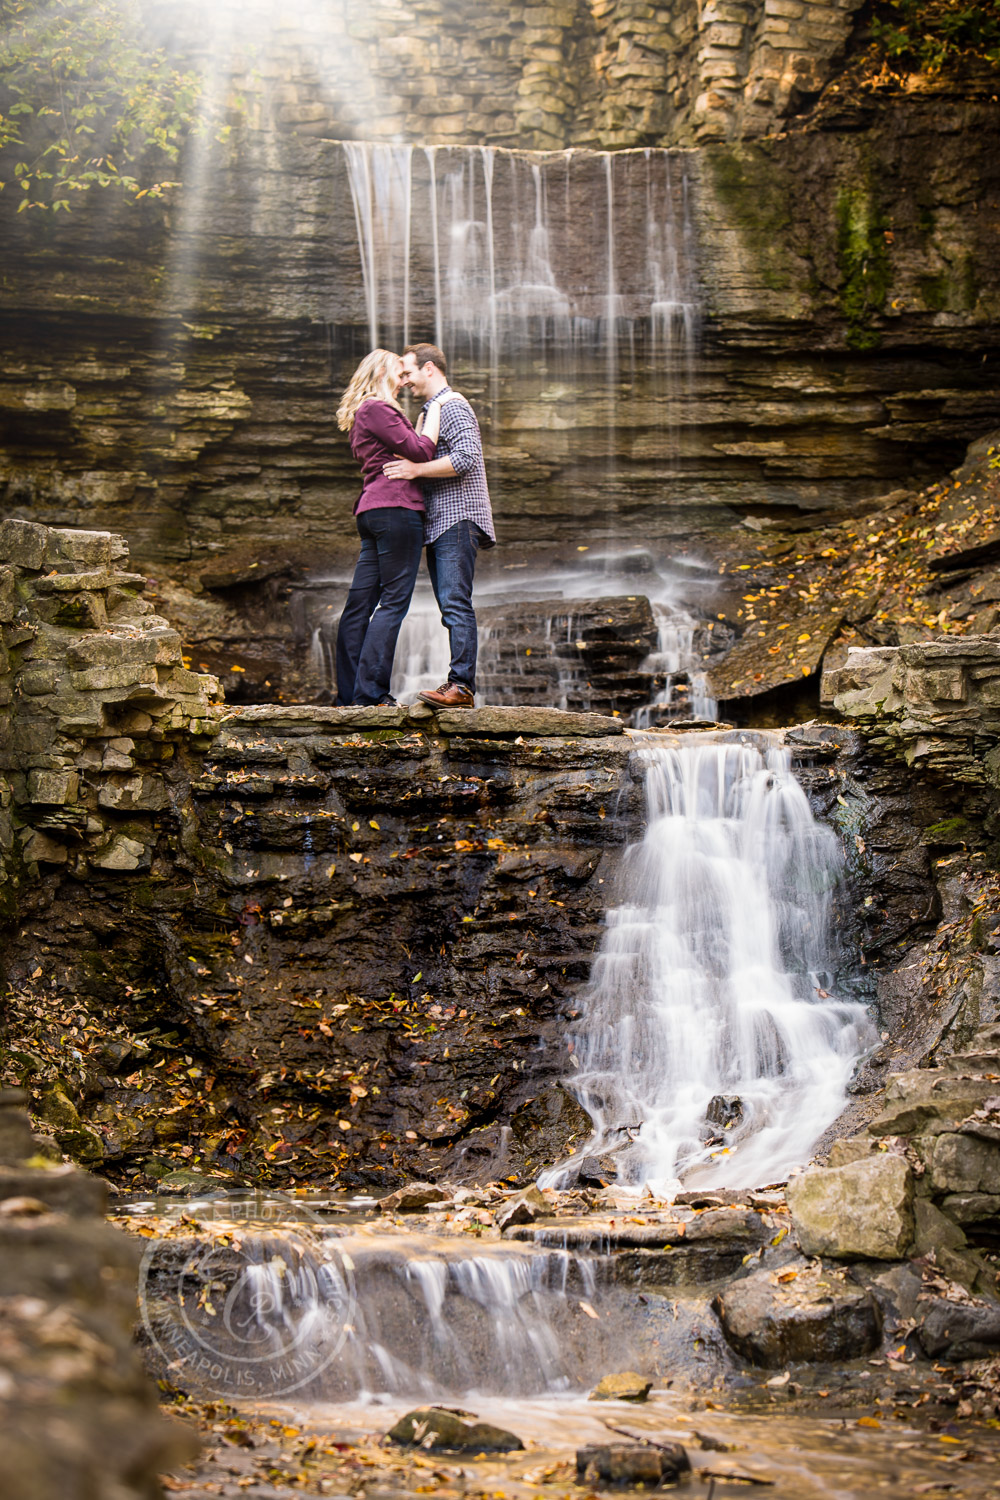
column 459, row 517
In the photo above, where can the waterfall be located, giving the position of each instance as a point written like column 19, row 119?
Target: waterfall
column 344, row 1315
column 422, row 655
column 713, row 1048
column 502, row 252
column 675, row 657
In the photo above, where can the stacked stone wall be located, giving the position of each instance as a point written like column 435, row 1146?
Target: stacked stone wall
column 94, row 696
column 550, row 74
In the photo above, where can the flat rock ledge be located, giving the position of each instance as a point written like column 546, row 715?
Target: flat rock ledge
column 478, row 723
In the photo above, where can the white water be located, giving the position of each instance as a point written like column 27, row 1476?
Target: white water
column 714, row 978
column 422, row 651
column 364, row 1314
column 533, row 275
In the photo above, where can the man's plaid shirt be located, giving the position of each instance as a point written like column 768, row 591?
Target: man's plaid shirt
column 466, row 497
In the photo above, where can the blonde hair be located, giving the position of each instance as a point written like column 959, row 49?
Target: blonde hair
column 371, row 381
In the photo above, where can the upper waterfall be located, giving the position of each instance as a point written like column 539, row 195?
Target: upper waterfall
column 497, row 253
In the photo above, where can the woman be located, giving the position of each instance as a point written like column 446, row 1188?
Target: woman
column 390, row 520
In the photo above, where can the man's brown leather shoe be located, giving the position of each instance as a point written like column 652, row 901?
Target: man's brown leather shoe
column 450, row 695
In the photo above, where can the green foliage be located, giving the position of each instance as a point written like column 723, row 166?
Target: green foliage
column 89, row 100
column 933, row 34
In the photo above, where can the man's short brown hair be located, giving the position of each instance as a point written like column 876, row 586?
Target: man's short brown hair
column 427, row 354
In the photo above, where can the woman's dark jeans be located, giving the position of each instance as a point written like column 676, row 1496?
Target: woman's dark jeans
column 392, row 540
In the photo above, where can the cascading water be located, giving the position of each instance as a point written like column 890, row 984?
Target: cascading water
column 713, row 1049
column 554, row 271
column 337, row 1315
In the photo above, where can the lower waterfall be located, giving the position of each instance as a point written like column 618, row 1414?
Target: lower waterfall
column 713, row 1049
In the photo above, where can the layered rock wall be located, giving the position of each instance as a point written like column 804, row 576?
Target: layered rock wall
column 547, row 75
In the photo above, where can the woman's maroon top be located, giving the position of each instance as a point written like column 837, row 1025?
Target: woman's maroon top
column 380, row 432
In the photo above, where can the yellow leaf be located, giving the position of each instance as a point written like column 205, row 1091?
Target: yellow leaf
column 356, row 858
column 372, row 824
column 779, row 1236
column 870, row 1422
column 805, row 636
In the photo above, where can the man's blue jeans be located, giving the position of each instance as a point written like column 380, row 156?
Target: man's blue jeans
column 392, row 539
column 451, row 562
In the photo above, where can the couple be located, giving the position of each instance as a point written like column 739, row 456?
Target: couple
column 396, row 515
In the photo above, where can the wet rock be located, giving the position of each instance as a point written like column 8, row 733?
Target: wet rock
column 412, row 1198
column 627, row 1386
column 863, row 1210
column 588, row 654
column 190, row 1180
column 631, row 1463
column 960, row 1330
column 713, row 1198
column 548, row 1127
column 724, row 1110
column 435, row 1429
column 525, row 1208
column 800, row 1313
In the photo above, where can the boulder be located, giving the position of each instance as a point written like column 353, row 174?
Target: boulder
column 434, row 1428
column 972, row 1208
column 412, row 1198
column 632, row 1463
column 524, row 1209
column 627, row 1386
column 800, row 1313
column 960, row 1330
column 964, row 1164
column 863, row 1210
column 928, row 1102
